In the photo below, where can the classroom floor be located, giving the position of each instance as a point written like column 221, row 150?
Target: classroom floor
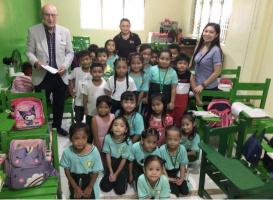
column 64, row 142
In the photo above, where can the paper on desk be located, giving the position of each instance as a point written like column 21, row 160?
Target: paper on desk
column 237, row 107
column 204, row 114
column 52, row 70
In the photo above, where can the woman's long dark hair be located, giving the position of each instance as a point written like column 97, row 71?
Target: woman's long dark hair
column 215, row 42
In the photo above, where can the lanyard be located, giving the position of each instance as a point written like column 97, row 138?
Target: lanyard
column 176, row 156
column 161, row 84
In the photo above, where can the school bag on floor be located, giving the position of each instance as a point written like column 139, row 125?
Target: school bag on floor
column 27, row 165
column 222, row 108
column 252, row 149
column 28, row 113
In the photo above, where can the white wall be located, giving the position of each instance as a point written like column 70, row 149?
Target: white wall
column 155, row 12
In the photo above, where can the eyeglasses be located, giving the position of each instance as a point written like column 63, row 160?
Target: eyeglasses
column 49, row 15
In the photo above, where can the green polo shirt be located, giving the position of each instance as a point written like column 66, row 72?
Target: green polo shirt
column 161, row 190
column 174, row 161
column 116, row 149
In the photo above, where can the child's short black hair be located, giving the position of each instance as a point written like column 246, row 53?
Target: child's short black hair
column 151, row 158
column 96, row 64
column 155, row 51
column 150, row 132
column 128, row 95
column 124, row 20
column 25, row 66
column 104, row 98
column 172, row 128
column 77, row 126
column 83, row 53
column 182, row 57
column 101, row 50
column 134, row 55
column 93, row 48
column 144, row 47
column 174, row 46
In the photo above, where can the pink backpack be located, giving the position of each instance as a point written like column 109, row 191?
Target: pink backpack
column 28, row 113
column 222, row 108
column 27, row 164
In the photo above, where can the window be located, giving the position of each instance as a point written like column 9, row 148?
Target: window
column 217, row 11
column 106, row 14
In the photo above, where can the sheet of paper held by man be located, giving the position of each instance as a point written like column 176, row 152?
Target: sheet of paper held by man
column 52, row 70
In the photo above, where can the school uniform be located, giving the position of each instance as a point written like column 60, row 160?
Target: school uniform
column 81, row 167
column 172, row 166
column 191, row 144
column 161, row 190
column 161, row 82
column 111, row 59
column 136, row 123
column 117, row 151
column 137, row 157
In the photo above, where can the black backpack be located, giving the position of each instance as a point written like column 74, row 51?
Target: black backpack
column 252, row 150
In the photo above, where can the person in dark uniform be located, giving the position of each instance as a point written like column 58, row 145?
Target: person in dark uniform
column 126, row 41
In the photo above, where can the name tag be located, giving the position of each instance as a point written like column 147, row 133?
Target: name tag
column 182, row 88
column 132, row 41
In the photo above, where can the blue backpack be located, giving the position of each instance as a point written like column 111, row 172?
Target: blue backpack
column 252, row 150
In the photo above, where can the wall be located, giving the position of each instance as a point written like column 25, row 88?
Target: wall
column 155, row 11
column 15, row 18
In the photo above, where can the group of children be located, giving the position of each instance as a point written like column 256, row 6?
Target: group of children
column 135, row 130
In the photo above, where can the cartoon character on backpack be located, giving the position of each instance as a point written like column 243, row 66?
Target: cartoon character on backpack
column 27, row 165
column 27, row 112
column 28, row 116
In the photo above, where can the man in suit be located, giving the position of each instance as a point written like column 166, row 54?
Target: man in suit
column 50, row 44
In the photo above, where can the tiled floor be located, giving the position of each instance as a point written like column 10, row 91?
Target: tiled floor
column 64, row 142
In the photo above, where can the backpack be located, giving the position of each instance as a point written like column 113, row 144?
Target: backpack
column 28, row 113
column 222, row 108
column 252, row 149
column 26, row 165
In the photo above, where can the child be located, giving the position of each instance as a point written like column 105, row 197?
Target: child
column 140, row 78
column 140, row 150
column 153, row 184
column 82, row 163
column 175, row 50
column 116, row 146
column 80, row 77
column 128, row 110
column 183, row 87
column 23, row 83
column 145, row 51
column 190, row 139
column 101, row 56
column 176, row 159
column 158, row 118
column 101, row 121
column 119, row 83
column 163, row 79
column 154, row 58
column 92, row 51
column 92, row 91
column 110, row 47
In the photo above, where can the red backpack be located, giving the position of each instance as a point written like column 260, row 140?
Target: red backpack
column 222, row 108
